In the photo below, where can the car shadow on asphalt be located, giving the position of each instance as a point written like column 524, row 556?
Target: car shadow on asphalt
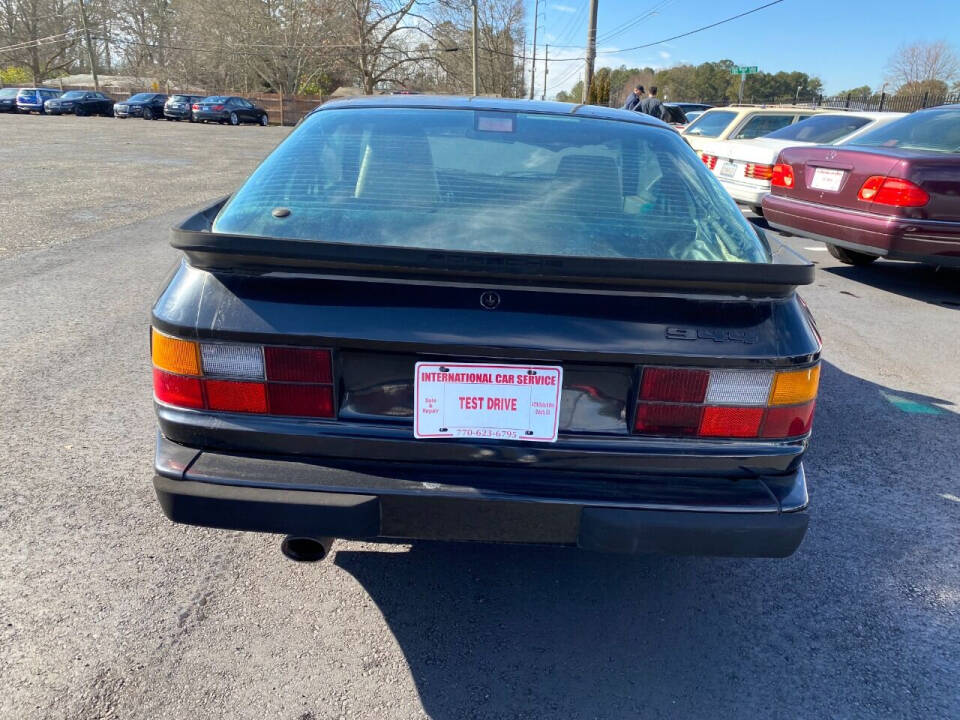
column 913, row 280
column 847, row 625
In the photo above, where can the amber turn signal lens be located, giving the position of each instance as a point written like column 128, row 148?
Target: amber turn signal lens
column 174, row 355
column 795, row 386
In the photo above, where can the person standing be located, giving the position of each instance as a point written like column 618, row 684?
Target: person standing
column 651, row 104
column 635, row 97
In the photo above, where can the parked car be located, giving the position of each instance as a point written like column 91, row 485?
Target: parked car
column 148, row 106
column 592, row 347
column 8, row 99
column 894, row 192
column 31, row 100
column 744, row 167
column 674, row 116
column 689, row 107
column 740, row 123
column 232, row 110
column 80, row 103
column 179, row 107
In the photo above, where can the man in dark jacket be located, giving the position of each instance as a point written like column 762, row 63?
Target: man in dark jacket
column 651, row 104
column 635, row 97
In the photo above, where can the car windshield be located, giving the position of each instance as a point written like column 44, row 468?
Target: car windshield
column 215, row 99
column 141, row 97
column 8, row 92
column 518, row 183
column 820, row 128
column 73, row 95
column 931, row 130
column 710, row 124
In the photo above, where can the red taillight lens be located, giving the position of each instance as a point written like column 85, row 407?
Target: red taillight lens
column 709, row 160
column 738, row 422
column 674, row 385
column 790, row 421
column 177, row 389
column 218, row 107
column 303, row 400
column 892, row 191
column 195, row 107
column 657, row 419
column 758, row 171
column 781, row 175
column 233, row 396
column 298, row 364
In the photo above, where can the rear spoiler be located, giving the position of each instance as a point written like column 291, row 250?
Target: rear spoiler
column 220, row 252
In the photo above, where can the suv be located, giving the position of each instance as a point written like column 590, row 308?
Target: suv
column 740, row 123
column 32, row 99
column 178, row 107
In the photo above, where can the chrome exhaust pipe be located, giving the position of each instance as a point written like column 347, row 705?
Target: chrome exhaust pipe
column 306, row 549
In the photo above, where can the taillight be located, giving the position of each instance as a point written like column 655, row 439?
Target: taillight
column 218, row 107
column 709, row 160
column 195, row 107
column 758, row 171
column 720, row 403
column 232, row 377
column 892, row 191
column 781, row 175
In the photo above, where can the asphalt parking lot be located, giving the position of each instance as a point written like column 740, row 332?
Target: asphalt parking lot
column 107, row 610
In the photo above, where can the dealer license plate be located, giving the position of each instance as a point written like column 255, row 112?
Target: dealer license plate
column 826, row 179
column 479, row 400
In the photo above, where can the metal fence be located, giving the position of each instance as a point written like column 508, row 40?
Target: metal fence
column 877, row 101
column 281, row 109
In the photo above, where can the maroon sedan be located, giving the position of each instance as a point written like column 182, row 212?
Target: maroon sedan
column 894, row 192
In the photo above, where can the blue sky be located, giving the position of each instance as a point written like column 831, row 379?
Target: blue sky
column 845, row 43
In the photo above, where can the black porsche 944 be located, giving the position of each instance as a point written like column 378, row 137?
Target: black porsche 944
column 486, row 320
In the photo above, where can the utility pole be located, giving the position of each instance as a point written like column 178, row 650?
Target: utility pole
column 546, row 65
column 474, row 47
column 533, row 66
column 743, row 76
column 93, row 56
column 591, row 52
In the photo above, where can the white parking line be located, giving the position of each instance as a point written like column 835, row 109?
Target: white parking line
column 816, row 248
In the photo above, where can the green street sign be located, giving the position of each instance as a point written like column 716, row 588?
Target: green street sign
column 744, row 70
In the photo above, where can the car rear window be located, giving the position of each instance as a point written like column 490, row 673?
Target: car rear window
column 820, row 128
column 711, row 124
column 179, row 98
column 8, row 92
column 762, row 124
column 27, row 95
column 215, row 99
column 492, row 182
column 931, row 130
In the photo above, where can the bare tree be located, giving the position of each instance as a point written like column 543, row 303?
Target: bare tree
column 387, row 34
column 923, row 62
column 40, row 35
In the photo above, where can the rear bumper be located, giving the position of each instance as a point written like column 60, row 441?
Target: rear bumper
column 207, row 116
column 930, row 241
column 300, row 497
column 184, row 114
column 743, row 193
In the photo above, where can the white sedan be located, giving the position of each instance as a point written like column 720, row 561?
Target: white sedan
column 744, row 167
